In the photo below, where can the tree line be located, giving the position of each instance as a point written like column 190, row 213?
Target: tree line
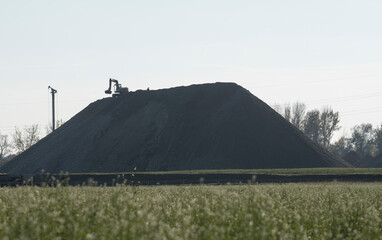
column 320, row 124
column 20, row 140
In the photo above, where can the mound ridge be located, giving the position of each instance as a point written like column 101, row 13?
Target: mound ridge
column 207, row 126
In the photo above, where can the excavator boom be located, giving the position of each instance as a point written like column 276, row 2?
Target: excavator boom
column 118, row 89
column 108, row 91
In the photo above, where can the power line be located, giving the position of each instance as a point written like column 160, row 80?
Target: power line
column 35, row 103
column 21, row 103
column 319, row 81
column 346, row 98
column 362, row 112
column 363, row 109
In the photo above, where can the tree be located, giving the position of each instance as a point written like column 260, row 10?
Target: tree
column 22, row 140
column 340, row 147
column 49, row 128
column 298, row 113
column 312, row 125
column 329, row 121
column 278, row 108
column 318, row 125
column 362, row 139
column 284, row 111
column 18, row 141
column 5, row 147
column 378, row 139
column 287, row 112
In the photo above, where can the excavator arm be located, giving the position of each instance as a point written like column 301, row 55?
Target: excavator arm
column 118, row 89
column 108, row 91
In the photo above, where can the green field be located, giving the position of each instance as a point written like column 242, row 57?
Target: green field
column 285, row 171
column 271, row 211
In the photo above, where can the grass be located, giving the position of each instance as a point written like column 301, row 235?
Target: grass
column 272, row 211
column 286, row 171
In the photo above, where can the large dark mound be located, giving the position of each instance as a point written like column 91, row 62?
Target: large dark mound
column 363, row 162
column 209, row 126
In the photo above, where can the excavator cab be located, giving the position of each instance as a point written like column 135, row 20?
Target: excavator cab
column 118, row 89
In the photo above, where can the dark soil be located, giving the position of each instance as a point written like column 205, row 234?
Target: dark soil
column 353, row 158
column 209, row 126
column 363, row 162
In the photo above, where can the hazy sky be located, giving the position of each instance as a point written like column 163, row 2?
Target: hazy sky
column 319, row 52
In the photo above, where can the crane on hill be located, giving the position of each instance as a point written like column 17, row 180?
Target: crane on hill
column 118, row 89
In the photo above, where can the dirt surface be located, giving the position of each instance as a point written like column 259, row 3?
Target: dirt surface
column 364, row 162
column 209, row 126
column 353, row 158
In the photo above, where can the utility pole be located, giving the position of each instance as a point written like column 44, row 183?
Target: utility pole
column 53, row 91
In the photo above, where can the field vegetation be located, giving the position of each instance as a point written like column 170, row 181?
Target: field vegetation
column 270, row 211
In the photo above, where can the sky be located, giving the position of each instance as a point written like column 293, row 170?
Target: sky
column 322, row 53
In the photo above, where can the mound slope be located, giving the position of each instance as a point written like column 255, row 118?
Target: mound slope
column 208, row 126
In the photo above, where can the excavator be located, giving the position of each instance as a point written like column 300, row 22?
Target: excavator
column 118, row 89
